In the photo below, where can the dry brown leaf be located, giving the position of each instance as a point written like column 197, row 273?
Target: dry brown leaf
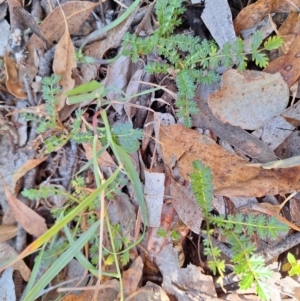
column 256, row 12
column 132, row 276
column 242, row 94
column 232, row 176
column 53, row 27
column 63, row 64
column 76, row 12
column 113, row 39
column 7, row 232
column 12, row 78
column 288, row 65
column 186, row 206
column 20, row 172
column 28, row 219
column 291, row 25
column 6, row 253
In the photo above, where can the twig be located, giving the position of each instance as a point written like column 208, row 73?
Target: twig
column 281, row 247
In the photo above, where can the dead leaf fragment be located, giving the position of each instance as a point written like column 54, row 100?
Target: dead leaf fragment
column 7, row 285
column 7, row 232
column 6, row 253
column 249, row 99
column 53, row 27
column 12, row 78
column 256, row 12
column 76, row 12
column 21, row 171
column 63, row 64
column 28, row 219
column 154, row 196
column 132, row 276
column 288, row 65
column 232, row 175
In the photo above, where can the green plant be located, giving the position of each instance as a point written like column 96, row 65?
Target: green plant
column 238, row 231
column 187, row 58
column 292, row 266
column 120, row 140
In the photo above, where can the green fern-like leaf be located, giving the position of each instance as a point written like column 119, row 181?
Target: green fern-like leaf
column 125, row 257
column 260, row 59
column 273, row 43
column 128, row 137
column 256, row 40
column 201, row 183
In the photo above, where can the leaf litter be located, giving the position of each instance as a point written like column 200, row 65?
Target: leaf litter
column 245, row 131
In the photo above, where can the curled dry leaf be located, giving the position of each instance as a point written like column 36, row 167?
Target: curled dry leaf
column 12, row 78
column 256, row 12
column 63, row 64
column 76, row 12
column 6, row 253
column 133, row 276
column 28, row 219
column 53, row 27
column 243, row 94
column 288, row 65
column 232, row 175
column 7, row 232
column 21, row 171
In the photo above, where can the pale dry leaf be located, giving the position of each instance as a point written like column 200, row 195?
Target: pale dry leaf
column 285, row 163
column 132, row 276
column 177, row 282
column 21, row 171
column 53, row 27
column 186, row 207
column 28, row 219
column 249, row 99
column 121, row 211
column 63, row 64
column 118, row 75
column 194, row 278
column 275, row 131
column 5, row 30
column 7, row 286
column 12, row 78
column 290, row 147
column 7, row 252
column 218, row 19
column 7, row 232
column 154, row 196
column 133, row 88
column 76, row 12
